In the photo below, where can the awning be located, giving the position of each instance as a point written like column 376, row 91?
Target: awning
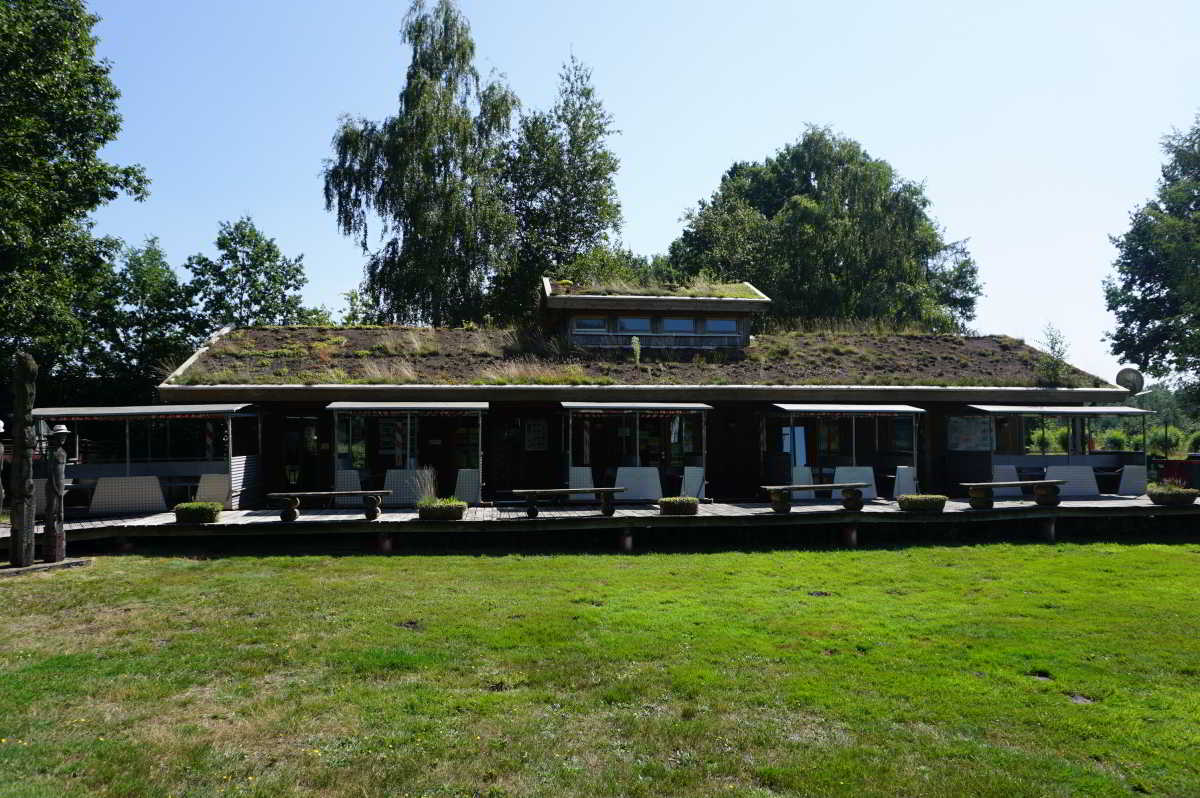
column 392, row 408
column 1051, row 410
column 865, row 410
column 635, row 406
column 135, row 411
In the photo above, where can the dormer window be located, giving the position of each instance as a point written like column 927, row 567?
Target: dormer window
column 591, row 324
column 722, row 326
column 670, row 325
column 633, row 324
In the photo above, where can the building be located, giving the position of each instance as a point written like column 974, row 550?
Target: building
column 665, row 389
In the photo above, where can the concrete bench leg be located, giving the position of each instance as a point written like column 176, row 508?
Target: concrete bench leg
column 371, row 507
column 980, row 498
column 531, row 508
column 291, row 509
column 606, row 504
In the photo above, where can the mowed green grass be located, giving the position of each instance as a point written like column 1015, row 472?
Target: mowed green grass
column 909, row 672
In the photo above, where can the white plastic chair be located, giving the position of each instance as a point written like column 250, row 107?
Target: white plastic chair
column 857, row 474
column 802, row 475
column 1133, row 481
column 693, row 482
column 906, row 480
column 641, row 483
column 402, row 482
column 347, row 479
column 215, row 488
column 117, row 495
column 581, row 477
column 466, row 485
column 1081, row 480
column 1005, row 473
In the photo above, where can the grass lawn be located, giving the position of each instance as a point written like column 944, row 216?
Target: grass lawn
column 1001, row 670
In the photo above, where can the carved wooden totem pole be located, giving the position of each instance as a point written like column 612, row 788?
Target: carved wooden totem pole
column 24, row 440
column 54, row 539
column 1, row 469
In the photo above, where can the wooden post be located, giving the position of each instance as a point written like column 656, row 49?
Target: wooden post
column 1046, row 525
column 850, row 536
column 627, row 541
column 1, row 469
column 54, row 540
column 383, row 543
column 25, row 372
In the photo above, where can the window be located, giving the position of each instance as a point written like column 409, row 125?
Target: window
column 723, row 326
column 679, row 325
column 634, row 324
column 591, row 324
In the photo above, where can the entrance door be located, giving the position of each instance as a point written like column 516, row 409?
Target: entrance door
column 734, row 460
column 303, row 468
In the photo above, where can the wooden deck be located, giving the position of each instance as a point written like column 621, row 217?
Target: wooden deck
column 564, row 518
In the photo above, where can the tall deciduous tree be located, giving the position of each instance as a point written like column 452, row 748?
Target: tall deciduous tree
column 560, row 175
column 251, row 282
column 829, row 231
column 58, row 109
column 1155, row 293
column 431, row 174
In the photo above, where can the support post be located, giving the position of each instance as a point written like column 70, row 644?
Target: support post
column 127, row 449
column 24, row 373
column 853, row 441
column 383, row 543
column 627, row 541
column 1046, row 528
column 850, row 536
column 54, row 539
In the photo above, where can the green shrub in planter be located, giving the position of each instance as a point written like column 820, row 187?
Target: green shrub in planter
column 1170, row 494
column 198, row 512
column 450, row 509
column 678, row 505
column 922, row 502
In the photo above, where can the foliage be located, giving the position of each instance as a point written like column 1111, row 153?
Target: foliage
column 1155, row 292
column 826, row 230
column 1052, row 438
column 445, row 509
column 922, row 502
column 1194, row 443
column 251, row 282
column 198, row 512
column 1114, row 440
column 678, row 505
column 451, row 675
column 1164, row 440
column 560, row 178
column 426, row 485
column 432, row 175
column 1053, row 371
column 58, row 110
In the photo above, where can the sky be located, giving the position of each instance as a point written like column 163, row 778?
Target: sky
column 1035, row 127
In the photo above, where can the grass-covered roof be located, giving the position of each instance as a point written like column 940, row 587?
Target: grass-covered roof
column 423, row 356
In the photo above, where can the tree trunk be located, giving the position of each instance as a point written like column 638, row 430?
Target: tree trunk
column 23, row 502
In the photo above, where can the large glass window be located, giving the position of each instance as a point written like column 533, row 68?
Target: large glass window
column 679, row 325
column 723, row 326
column 591, row 324
column 633, row 324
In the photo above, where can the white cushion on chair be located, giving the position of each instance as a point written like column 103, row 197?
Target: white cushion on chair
column 1133, row 481
column 1081, row 480
column 693, row 482
column 466, row 485
column 857, row 474
column 215, row 488
column 906, row 480
column 347, row 479
column 802, row 475
column 641, row 483
column 1005, row 473
column 581, row 477
column 402, row 482
column 116, row 495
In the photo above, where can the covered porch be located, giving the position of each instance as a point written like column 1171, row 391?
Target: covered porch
column 148, row 458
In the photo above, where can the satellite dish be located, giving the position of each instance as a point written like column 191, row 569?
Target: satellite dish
column 1131, row 380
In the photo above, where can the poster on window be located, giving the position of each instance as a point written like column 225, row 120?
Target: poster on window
column 969, row 434
column 537, row 433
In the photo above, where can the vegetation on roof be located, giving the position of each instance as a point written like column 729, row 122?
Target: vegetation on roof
column 699, row 288
column 462, row 356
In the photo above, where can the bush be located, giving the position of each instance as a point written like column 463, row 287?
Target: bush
column 1163, row 442
column 1194, row 443
column 678, row 505
column 1051, row 439
column 922, row 502
column 197, row 512
column 434, row 509
column 1114, row 440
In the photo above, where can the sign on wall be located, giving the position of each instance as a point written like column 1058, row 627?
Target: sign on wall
column 537, row 435
column 969, row 434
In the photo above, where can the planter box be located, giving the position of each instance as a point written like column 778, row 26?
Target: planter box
column 442, row 513
column 929, row 504
column 677, row 508
column 1173, row 498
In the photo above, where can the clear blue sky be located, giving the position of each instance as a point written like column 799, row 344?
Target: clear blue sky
column 1035, row 126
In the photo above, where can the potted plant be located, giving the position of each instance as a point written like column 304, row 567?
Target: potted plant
column 678, row 505
column 198, row 512
column 922, row 502
column 446, row 509
column 1171, row 493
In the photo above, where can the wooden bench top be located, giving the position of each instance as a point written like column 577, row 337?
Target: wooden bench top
column 562, row 491
column 826, row 486
column 1018, row 484
column 300, row 494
